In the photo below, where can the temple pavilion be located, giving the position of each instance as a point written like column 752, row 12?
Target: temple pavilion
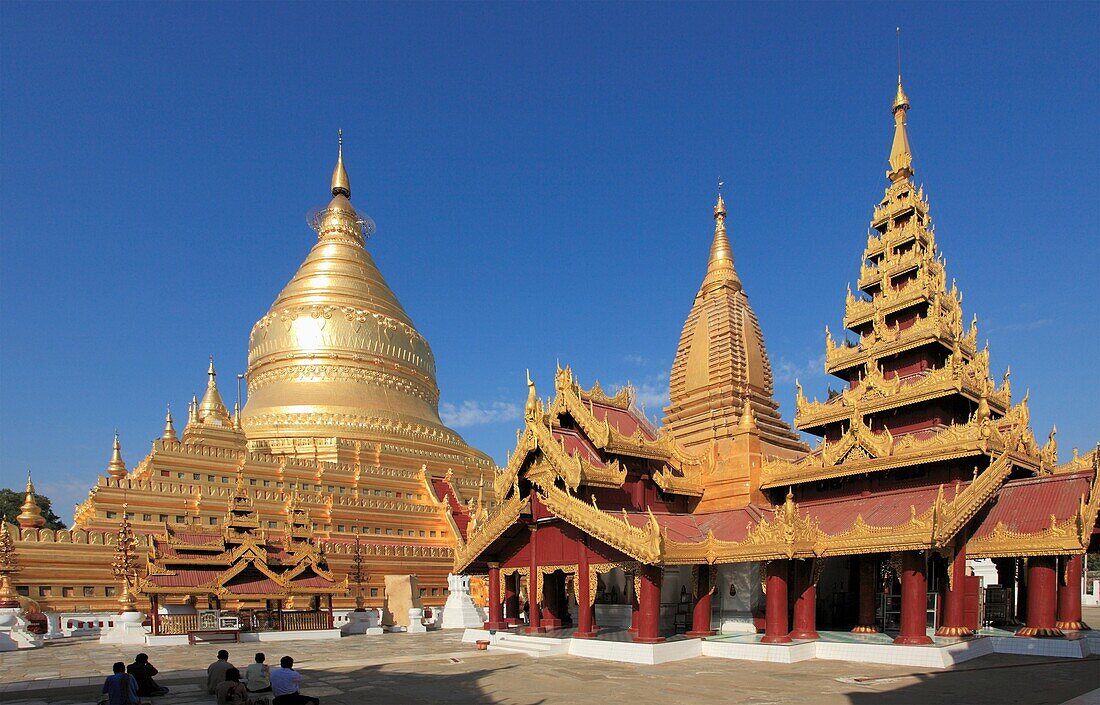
column 723, row 518
column 264, row 583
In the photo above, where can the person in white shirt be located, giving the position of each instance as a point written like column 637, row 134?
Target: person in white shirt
column 258, row 676
column 284, row 685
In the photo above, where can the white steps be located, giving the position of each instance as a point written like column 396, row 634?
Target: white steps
column 535, row 647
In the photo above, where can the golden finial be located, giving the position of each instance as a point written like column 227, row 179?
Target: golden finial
column 30, row 515
column 531, row 408
column 169, row 429
column 116, row 468
column 901, row 158
column 748, row 419
column 340, row 183
column 720, row 271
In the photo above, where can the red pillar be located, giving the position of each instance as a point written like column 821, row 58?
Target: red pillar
column 649, row 606
column 1069, row 596
column 586, row 623
column 511, row 599
column 331, row 619
column 775, row 609
column 155, row 608
column 700, row 613
column 534, row 617
column 496, row 608
column 914, row 600
column 1042, row 597
column 805, row 603
column 954, row 597
column 868, row 582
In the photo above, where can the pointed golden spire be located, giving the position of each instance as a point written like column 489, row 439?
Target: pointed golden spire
column 340, row 183
column 901, row 158
column 212, row 408
column 116, row 468
column 30, row 515
column 169, row 429
column 720, row 270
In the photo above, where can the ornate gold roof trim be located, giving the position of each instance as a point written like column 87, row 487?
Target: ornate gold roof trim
column 481, row 536
column 976, row 437
column 644, row 544
column 877, row 393
column 789, row 534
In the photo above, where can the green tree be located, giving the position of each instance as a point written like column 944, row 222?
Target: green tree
column 11, row 501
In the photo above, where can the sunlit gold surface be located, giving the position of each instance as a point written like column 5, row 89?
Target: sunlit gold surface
column 338, row 357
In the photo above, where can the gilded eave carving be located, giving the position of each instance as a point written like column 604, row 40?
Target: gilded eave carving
column 641, row 543
column 790, row 534
column 876, row 392
column 484, row 533
column 861, row 450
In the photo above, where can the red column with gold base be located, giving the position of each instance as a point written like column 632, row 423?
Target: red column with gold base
column 586, row 607
column 775, row 609
column 954, row 601
column 868, row 582
column 634, row 609
column 805, row 603
column 1042, row 598
column 1069, row 597
column 649, row 606
column 914, row 600
column 700, row 613
column 496, row 606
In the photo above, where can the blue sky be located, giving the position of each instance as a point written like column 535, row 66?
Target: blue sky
column 542, row 177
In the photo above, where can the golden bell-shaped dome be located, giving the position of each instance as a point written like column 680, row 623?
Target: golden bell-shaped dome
column 336, row 355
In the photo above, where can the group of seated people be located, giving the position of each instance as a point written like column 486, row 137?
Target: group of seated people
column 129, row 684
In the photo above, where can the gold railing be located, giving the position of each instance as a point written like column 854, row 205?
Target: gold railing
column 168, row 624
column 300, row 621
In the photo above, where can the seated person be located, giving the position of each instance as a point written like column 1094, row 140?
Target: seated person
column 284, row 685
column 143, row 673
column 215, row 672
column 120, row 688
column 231, row 691
column 258, row 676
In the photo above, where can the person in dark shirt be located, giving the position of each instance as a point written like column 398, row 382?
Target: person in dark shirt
column 120, row 689
column 143, row 673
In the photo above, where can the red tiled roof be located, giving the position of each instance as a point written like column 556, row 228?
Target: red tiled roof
column 625, row 422
column 880, row 509
column 185, row 577
column 443, row 490
column 1025, row 506
column 727, row 525
column 260, row 586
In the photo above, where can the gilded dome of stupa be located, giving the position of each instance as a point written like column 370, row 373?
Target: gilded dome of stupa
column 337, row 355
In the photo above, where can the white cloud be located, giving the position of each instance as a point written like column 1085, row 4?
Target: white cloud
column 634, row 359
column 788, row 371
column 651, row 394
column 476, row 413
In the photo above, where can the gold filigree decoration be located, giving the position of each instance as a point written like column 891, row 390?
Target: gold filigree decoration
column 506, row 514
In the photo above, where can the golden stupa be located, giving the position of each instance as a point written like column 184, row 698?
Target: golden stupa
column 336, row 364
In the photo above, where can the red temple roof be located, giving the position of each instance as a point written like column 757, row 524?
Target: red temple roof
column 881, row 509
column 1026, row 506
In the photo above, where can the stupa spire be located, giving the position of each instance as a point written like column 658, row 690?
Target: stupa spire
column 116, row 468
column 901, row 158
column 720, row 271
column 169, row 429
column 341, row 186
column 30, row 515
column 212, row 409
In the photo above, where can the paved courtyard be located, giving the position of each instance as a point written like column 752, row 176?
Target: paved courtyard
column 438, row 668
